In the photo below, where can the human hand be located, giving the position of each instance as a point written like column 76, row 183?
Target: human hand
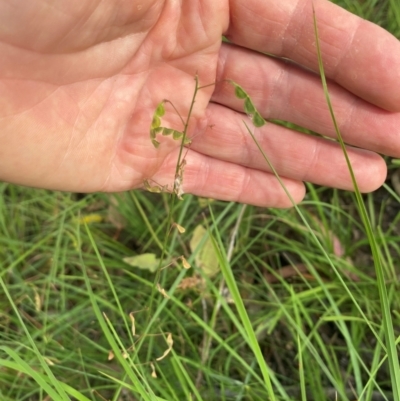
column 80, row 82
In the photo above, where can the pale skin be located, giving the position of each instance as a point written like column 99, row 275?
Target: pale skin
column 79, row 82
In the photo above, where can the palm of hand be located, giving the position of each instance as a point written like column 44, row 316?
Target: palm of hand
column 85, row 80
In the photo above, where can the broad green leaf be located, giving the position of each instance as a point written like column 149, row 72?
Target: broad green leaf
column 146, row 261
column 205, row 255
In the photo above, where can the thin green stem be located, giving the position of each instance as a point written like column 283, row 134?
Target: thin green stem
column 173, row 199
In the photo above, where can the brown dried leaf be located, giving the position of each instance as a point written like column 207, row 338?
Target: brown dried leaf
column 185, row 263
column 162, row 291
column 153, row 370
column 133, row 328
column 191, row 282
column 179, row 228
column 170, row 343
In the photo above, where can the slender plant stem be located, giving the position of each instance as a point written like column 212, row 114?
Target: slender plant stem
column 173, row 200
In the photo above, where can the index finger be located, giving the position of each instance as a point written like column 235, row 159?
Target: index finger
column 357, row 54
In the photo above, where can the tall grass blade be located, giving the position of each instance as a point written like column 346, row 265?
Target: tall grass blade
column 139, row 382
column 58, row 388
column 383, row 295
column 251, row 337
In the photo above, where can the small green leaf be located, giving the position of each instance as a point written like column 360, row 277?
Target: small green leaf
column 239, row 91
column 155, row 143
column 258, row 120
column 167, row 131
column 249, row 107
column 187, row 141
column 146, row 261
column 160, row 110
column 177, row 134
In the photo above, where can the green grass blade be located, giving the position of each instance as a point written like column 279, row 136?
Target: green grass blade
column 21, row 366
column 235, row 293
column 111, row 336
column 61, row 393
column 383, row 295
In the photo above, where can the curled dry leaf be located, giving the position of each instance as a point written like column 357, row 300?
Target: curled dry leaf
column 170, row 343
column 38, row 301
column 153, row 370
column 49, row 361
column 162, row 291
column 185, row 263
column 133, row 327
column 179, row 228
